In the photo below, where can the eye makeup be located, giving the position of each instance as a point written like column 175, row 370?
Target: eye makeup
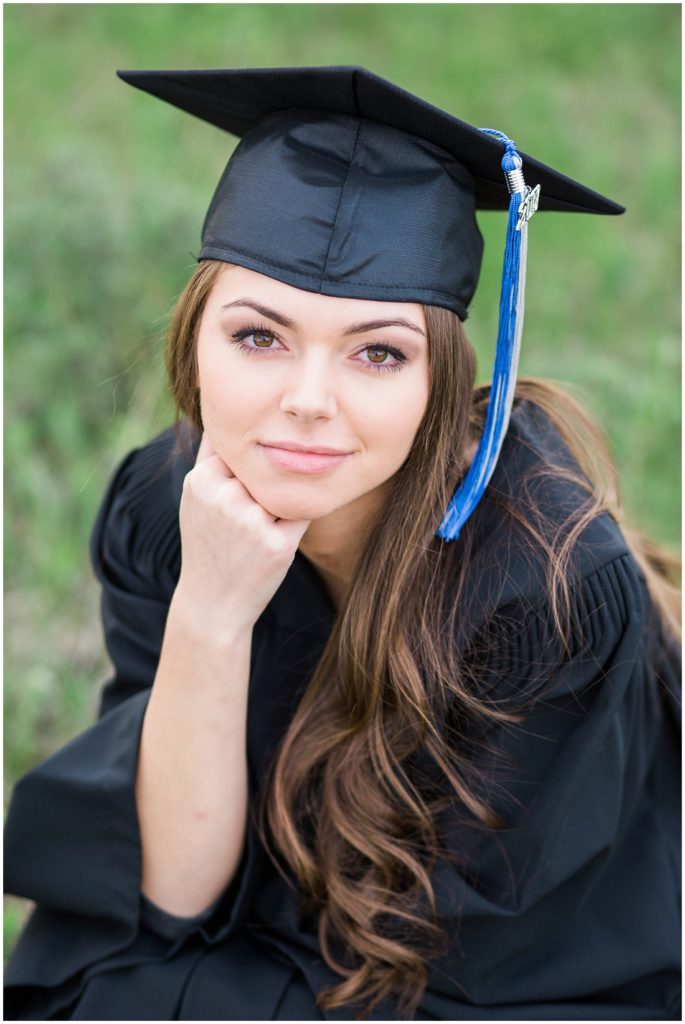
column 239, row 336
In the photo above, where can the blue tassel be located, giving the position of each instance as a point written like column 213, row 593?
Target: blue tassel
column 522, row 205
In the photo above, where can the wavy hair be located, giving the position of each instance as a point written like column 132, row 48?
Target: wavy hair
column 393, row 710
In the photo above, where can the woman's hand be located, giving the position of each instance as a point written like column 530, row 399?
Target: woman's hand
column 235, row 554
column 192, row 778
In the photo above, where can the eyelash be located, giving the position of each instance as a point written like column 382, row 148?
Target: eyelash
column 244, row 332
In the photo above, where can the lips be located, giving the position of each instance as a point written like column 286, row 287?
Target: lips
column 292, row 446
column 303, row 461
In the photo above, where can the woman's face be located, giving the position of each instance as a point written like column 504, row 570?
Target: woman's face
column 278, row 365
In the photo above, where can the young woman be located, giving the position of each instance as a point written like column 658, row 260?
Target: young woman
column 361, row 756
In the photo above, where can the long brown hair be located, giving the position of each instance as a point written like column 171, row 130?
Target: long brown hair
column 390, row 678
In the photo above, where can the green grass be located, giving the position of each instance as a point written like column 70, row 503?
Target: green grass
column 105, row 194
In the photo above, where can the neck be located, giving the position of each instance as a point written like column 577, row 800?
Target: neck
column 334, row 543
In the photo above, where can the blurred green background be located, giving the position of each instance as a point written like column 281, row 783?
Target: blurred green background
column 106, row 190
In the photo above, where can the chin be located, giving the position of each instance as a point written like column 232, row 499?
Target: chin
column 297, row 510
column 284, row 505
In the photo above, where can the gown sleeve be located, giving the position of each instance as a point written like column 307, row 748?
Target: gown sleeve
column 72, row 840
column 568, row 897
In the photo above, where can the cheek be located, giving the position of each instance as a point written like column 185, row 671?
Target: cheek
column 391, row 426
column 229, row 401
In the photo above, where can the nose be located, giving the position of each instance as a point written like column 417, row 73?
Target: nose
column 309, row 391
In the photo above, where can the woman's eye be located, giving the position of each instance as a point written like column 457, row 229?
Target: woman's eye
column 378, row 357
column 262, row 338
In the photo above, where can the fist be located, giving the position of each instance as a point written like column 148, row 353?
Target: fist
column 235, row 554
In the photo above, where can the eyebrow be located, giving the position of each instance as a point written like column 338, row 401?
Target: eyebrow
column 358, row 328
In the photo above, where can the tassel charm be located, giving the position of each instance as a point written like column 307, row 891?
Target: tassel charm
column 522, row 205
column 529, row 205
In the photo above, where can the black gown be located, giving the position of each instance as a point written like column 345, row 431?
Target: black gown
column 574, row 911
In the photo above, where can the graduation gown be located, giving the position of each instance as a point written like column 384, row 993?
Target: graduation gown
column 573, row 912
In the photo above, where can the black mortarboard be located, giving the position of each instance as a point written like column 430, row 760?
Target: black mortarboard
column 345, row 184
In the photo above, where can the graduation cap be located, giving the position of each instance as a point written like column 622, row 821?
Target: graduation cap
column 344, row 183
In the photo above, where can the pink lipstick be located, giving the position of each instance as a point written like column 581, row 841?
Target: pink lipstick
column 303, row 461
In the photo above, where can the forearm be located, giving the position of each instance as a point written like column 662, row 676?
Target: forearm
column 191, row 786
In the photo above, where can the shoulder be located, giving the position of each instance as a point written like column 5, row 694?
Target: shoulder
column 136, row 534
column 535, row 513
column 538, row 499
